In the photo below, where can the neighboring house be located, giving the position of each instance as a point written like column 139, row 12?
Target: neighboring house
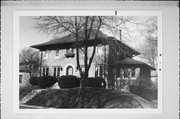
column 112, row 60
column 24, row 76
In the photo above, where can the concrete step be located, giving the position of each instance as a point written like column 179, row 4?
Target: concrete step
column 30, row 95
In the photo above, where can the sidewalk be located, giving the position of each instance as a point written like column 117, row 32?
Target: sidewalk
column 22, row 106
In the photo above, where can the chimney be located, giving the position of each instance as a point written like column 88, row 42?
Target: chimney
column 120, row 35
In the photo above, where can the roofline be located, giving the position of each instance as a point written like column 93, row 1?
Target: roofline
column 132, row 65
column 91, row 43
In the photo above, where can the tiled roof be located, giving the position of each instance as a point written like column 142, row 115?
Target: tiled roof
column 132, row 62
column 68, row 40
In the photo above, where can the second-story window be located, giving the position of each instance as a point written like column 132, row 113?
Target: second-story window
column 57, row 53
column 45, row 54
column 99, row 50
column 70, row 53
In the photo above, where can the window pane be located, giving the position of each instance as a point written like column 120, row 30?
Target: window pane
column 57, row 53
column 126, row 73
column 101, row 71
column 47, row 71
column 96, row 71
column 43, row 71
column 20, row 78
column 45, row 54
column 69, row 70
column 54, row 71
column 58, row 72
column 133, row 72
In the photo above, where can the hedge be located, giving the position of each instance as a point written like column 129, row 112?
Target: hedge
column 33, row 81
column 97, row 82
column 69, row 81
column 46, row 81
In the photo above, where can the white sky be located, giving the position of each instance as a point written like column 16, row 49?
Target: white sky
column 28, row 35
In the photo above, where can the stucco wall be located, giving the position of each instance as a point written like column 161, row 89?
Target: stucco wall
column 25, row 79
column 51, row 61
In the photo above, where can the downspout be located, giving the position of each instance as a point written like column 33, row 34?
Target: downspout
column 40, row 63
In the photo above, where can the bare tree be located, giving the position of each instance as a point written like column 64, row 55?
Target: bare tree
column 147, row 30
column 149, row 48
column 30, row 59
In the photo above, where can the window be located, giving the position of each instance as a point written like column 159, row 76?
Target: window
column 118, row 72
column 57, row 71
column 69, row 70
column 96, row 71
column 70, row 51
column 20, row 78
column 126, row 72
column 45, row 71
column 57, row 53
column 99, row 50
column 133, row 72
column 45, row 55
column 99, row 70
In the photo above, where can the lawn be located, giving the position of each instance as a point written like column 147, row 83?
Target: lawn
column 93, row 98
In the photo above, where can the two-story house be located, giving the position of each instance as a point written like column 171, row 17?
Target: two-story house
column 113, row 59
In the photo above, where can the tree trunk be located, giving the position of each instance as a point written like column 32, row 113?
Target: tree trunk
column 82, row 90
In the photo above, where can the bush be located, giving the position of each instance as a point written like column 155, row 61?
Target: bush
column 147, row 93
column 97, row 82
column 33, row 81
column 46, row 81
column 68, row 82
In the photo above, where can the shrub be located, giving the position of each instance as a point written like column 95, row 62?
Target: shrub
column 147, row 93
column 46, row 81
column 33, row 81
column 97, row 82
column 68, row 82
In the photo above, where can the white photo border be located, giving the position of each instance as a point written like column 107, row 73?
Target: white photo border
column 18, row 13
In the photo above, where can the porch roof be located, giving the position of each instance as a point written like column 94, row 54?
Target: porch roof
column 69, row 41
column 132, row 62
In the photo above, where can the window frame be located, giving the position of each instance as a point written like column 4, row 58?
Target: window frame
column 99, row 70
column 45, row 54
column 45, row 71
column 56, row 71
column 57, row 56
column 67, row 70
column 20, row 78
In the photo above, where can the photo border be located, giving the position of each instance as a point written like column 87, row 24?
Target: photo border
column 25, row 12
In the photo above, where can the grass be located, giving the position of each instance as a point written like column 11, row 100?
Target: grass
column 93, row 98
